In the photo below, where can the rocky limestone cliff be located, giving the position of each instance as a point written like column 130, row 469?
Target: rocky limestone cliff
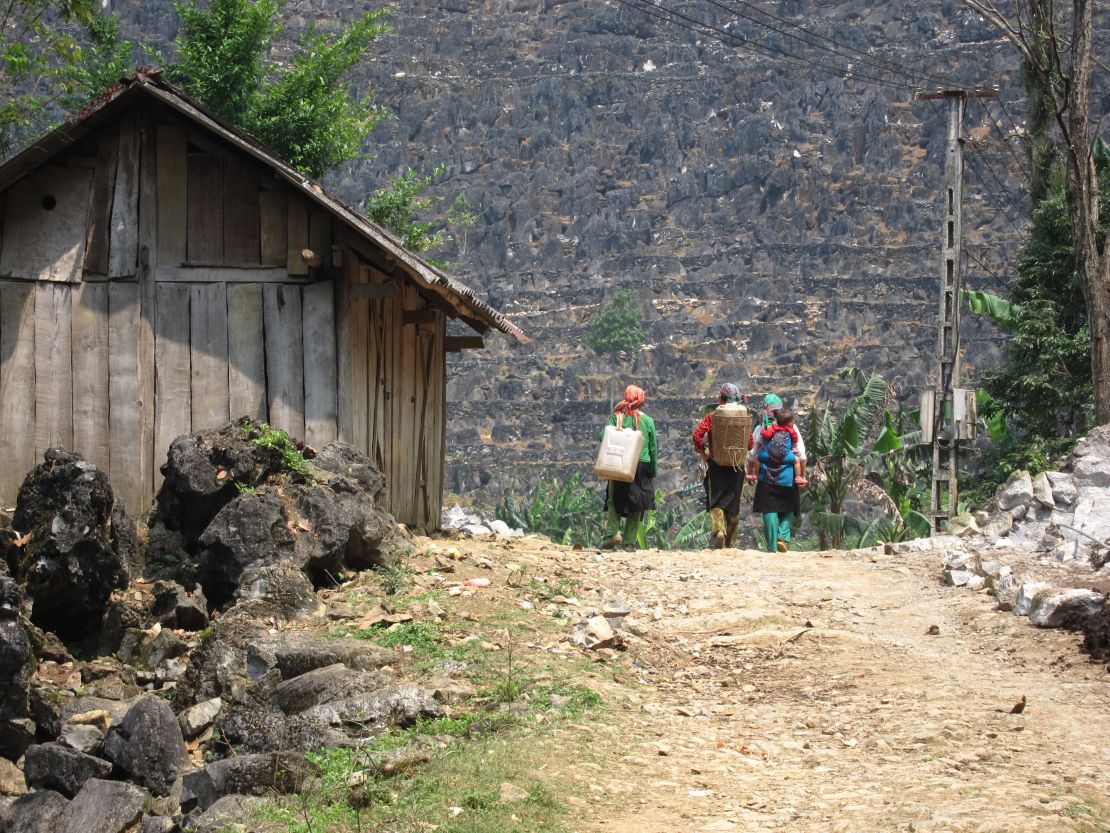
column 774, row 223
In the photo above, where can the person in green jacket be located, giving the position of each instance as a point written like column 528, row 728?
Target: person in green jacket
column 631, row 500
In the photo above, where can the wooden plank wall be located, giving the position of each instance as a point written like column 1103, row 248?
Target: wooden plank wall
column 185, row 302
column 393, row 390
column 70, row 372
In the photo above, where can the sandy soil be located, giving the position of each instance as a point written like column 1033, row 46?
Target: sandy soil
column 826, row 692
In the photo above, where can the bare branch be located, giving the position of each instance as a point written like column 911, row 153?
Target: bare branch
column 992, row 15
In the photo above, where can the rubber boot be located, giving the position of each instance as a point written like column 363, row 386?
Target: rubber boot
column 632, row 530
column 717, row 524
column 732, row 524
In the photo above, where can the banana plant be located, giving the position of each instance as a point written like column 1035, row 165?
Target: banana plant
column 865, row 450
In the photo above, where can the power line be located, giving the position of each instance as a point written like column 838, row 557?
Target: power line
column 1002, row 135
column 805, row 36
column 984, row 266
column 704, row 29
column 1005, row 211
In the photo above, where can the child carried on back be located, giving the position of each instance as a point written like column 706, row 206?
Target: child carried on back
column 777, row 451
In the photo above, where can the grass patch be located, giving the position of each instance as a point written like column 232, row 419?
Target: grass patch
column 278, row 442
column 457, row 792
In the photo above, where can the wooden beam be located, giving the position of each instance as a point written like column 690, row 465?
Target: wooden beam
column 455, row 344
column 373, row 290
column 419, row 316
column 221, row 274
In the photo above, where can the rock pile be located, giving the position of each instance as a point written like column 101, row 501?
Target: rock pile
column 1063, row 519
column 134, row 738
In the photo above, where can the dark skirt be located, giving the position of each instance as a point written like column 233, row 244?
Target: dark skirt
column 637, row 496
column 722, row 488
column 770, row 497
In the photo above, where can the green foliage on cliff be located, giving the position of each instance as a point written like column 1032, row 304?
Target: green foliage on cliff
column 39, row 55
column 1040, row 399
column 301, row 107
column 616, row 329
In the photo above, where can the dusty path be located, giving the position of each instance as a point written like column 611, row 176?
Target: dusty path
column 805, row 693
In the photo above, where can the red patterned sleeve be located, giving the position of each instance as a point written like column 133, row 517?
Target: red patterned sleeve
column 703, row 429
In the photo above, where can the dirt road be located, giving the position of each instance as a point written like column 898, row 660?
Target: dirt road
column 849, row 692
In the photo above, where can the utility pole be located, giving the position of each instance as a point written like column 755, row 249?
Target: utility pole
column 946, row 429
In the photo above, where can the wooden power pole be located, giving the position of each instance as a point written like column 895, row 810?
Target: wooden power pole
column 949, row 417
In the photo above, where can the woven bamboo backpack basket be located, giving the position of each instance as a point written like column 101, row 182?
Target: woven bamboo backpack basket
column 732, row 427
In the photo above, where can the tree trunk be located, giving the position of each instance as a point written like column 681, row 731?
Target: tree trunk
column 1082, row 194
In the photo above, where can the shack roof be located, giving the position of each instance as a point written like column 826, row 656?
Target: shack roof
column 151, row 85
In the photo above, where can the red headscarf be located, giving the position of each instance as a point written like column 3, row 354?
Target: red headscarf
column 633, row 401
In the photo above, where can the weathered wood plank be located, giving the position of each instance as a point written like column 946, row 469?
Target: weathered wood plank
column 222, row 274
column 440, row 459
column 320, row 407
column 123, row 253
column 124, row 456
column 210, row 399
column 284, row 358
column 173, row 405
column 241, row 213
column 246, row 351
column 296, row 235
column 456, row 344
column 373, row 290
column 100, row 203
column 90, row 374
column 358, row 311
column 45, row 225
column 205, row 242
column 173, row 204
column 17, row 386
column 272, row 221
column 407, row 453
column 319, row 235
column 381, row 377
column 53, row 368
column 345, row 379
column 148, row 257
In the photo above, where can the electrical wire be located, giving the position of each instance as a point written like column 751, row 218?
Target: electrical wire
column 807, row 37
column 984, row 266
column 708, row 30
column 1002, row 136
column 991, row 195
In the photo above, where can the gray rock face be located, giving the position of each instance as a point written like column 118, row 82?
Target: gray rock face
column 295, row 654
column 325, row 685
column 320, row 517
column 1016, row 491
column 280, row 588
column 147, row 744
column 72, row 562
column 261, row 774
column 395, row 706
column 103, row 807
column 193, row 721
column 1042, row 491
column 1025, row 596
column 83, row 737
column 343, row 459
column 16, row 668
column 1089, row 461
column 54, row 766
column 37, row 812
column 1063, row 487
column 1054, row 608
column 231, row 809
column 176, row 607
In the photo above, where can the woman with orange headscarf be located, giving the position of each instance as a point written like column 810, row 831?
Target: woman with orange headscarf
column 631, row 500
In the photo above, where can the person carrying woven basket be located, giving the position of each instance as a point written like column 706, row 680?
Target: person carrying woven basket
column 631, row 500
column 723, row 483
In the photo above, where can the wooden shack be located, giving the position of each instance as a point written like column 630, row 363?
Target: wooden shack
column 162, row 272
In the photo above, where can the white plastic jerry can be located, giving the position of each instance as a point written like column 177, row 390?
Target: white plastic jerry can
column 619, row 454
